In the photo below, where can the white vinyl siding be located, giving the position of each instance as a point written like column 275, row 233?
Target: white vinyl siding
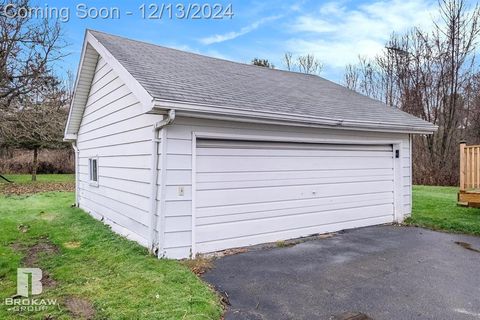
column 178, row 220
column 115, row 131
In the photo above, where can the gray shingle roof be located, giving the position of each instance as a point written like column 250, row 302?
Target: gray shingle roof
column 174, row 75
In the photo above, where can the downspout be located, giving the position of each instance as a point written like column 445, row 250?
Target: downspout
column 153, row 244
column 75, row 149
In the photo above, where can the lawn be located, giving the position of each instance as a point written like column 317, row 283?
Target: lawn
column 92, row 272
column 436, row 208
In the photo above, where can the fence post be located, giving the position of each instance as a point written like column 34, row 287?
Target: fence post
column 462, row 166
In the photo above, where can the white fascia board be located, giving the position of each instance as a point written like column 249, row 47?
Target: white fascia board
column 231, row 114
column 137, row 89
column 72, row 103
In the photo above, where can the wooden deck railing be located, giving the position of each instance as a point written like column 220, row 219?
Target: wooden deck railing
column 469, row 167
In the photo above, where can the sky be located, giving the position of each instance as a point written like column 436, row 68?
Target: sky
column 336, row 32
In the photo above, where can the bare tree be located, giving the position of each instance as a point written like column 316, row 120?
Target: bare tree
column 28, row 50
column 304, row 63
column 364, row 77
column 32, row 98
column 288, row 61
column 309, row 64
column 431, row 75
column 37, row 124
column 351, row 77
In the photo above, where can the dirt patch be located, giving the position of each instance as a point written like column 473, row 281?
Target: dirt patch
column 199, row 265
column 467, row 246
column 47, row 281
column 32, row 255
column 43, row 247
column 80, row 307
column 31, row 188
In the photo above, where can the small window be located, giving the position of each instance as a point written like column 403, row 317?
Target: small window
column 93, row 169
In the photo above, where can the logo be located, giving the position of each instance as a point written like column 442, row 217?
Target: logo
column 29, row 281
column 28, row 284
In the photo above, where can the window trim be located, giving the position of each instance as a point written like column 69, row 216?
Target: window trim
column 93, row 183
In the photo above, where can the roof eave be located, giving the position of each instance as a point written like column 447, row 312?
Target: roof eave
column 223, row 113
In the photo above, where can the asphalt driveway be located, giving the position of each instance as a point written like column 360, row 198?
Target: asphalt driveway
column 384, row 272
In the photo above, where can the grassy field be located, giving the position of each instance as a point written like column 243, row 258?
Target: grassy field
column 436, row 208
column 92, row 272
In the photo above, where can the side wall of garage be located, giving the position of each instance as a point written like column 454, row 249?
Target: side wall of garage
column 177, row 238
column 115, row 131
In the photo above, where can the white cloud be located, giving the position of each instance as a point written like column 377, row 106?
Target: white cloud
column 217, row 38
column 338, row 34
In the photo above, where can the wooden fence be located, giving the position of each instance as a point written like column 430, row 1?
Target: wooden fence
column 469, row 167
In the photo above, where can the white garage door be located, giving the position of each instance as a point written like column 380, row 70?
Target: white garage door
column 255, row 192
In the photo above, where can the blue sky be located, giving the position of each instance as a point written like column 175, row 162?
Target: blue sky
column 335, row 31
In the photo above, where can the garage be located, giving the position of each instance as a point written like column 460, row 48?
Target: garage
column 206, row 154
column 250, row 192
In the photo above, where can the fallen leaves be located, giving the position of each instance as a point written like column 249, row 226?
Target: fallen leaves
column 199, row 265
column 31, row 188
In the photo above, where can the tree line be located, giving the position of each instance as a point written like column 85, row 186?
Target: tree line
column 432, row 74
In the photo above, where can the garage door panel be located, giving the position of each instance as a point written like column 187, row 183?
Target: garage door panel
column 281, row 212
column 208, row 198
column 253, row 192
column 384, row 197
column 289, row 175
column 239, row 229
column 288, row 182
column 256, row 164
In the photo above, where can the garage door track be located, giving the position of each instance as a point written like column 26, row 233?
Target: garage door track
column 383, row 272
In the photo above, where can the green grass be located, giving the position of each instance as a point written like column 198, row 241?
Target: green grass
column 27, row 178
column 117, row 276
column 436, row 208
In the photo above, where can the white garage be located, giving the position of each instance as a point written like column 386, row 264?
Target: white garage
column 254, row 192
column 188, row 154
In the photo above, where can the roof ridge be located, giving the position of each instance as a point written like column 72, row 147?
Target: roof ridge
column 209, row 57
